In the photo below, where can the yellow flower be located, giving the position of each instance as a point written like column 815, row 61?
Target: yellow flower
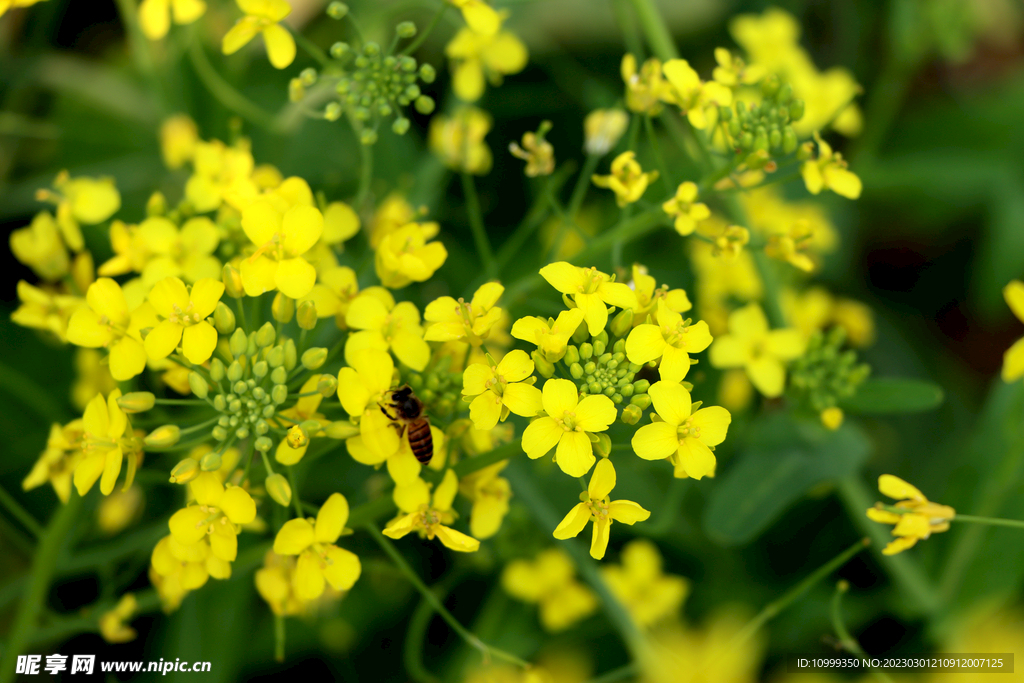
column 832, row 418
column 732, row 71
column 697, row 99
column 568, row 424
column 393, row 213
column 536, row 151
column 275, row 582
column 915, row 517
column 551, row 336
column 452, row 320
column 155, row 15
column 501, row 389
column 184, row 316
column 262, row 16
column 179, row 136
column 320, row 560
column 687, row 438
column 591, row 290
column 490, row 495
column 649, row 294
column 44, row 309
column 549, row 581
column 687, row 211
column 648, row 594
column 221, row 174
column 711, row 653
column 459, row 140
column 107, row 439
column 216, row 518
column 760, row 351
column 341, row 223
column 383, row 325
column 58, row 461
column 429, row 515
column 480, row 16
column 478, row 55
column 672, row 340
column 602, row 130
column 600, row 509
column 334, row 292
column 105, row 321
column 281, row 238
column 111, row 623
column 39, row 247
column 627, row 179
column 157, row 249
column 81, row 200
column 11, row 4
column 815, row 309
column 829, row 172
column 305, row 408
column 119, row 510
column 644, row 89
column 1013, row 358
column 179, row 568
column 407, row 256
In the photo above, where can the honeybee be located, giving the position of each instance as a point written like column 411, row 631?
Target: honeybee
column 409, row 417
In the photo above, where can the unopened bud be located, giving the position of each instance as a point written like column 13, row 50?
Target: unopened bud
column 157, row 205
column 185, row 471
column 264, row 444
column 603, row 445
column 163, row 437
column 266, row 335
column 544, row 367
column 279, row 375
column 198, row 385
column 298, row 437
column 290, row 355
column 341, row 429
column 641, row 386
column 234, row 372
column 276, row 357
column 314, row 358
column 283, row 308
column 327, row 385
column 279, row 394
column 136, row 402
column 642, row 401
column 622, row 323
column 306, row 315
column 576, row 370
column 278, row 489
column 216, row 369
column 210, row 462
column 832, row 418
column 631, row 414
column 337, row 10
column 238, row 343
column 572, row 355
column 260, row 369
column 406, row 29
column 232, row 282
column 223, row 318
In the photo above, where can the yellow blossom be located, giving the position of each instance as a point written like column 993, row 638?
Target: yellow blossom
column 732, row 71
column 686, row 437
column 601, row 510
column 459, row 140
column 58, row 461
column 452, row 320
column 12, row 4
column 45, row 309
column 112, row 622
column 179, row 136
column 916, row 518
column 334, row 292
column 105, row 321
column 499, row 390
column 591, row 290
column 380, row 323
column 490, row 494
column 480, row 16
column 697, row 99
column 536, row 151
column 815, row 309
column 281, row 238
column 119, row 510
column 393, row 213
column 81, row 200
column 156, row 248
column 829, row 172
column 1013, row 358
column 832, row 418
column 320, row 561
column 107, row 439
column 759, row 350
column 262, row 16
column 644, row 89
column 184, row 314
column 627, row 179
column 735, row 390
column 648, row 594
column 602, row 130
column 216, row 517
column 275, row 582
column 221, row 173
column 649, row 294
column 341, row 223
column 406, row 255
column 549, row 580
column 430, row 515
column 39, row 246
column 568, row 425
column 672, row 340
column 305, row 408
column 479, row 56
column 711, row 653
column 179, row 568
column 155, row 15
column 685, row 208
column 550, row 336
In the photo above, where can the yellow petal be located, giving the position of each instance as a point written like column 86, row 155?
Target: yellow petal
column 411, row 349
column 412, row 496
column 1014, row 295
column 187, row 11
column 456, row 540
column 163, row 339
column 403, row 466
column 730, row 351
column 481, row 17
column 644, row 344
column 468, row 80
column 540, row 436
column 259, row 275
column 627, row 512
column 671, row 401
column 84, row 329
column 785, row 344
column 695, row 458
column 842, row 181
column 239, row 35
column 301, row 226
column 111, row 468
column 261, row 221
column 898, row 545
column 675, row 364
column 524, row 400
column 713, row 423
column 127, row 359
column 896, row 488
column 295, row 277
column 595, row 312
column 485, row 409
column 474, row 379
column 187, row 525
column 603, row 480
column 768, row 375
column 515, row 366
column 575, row 453
column 559, row 396
column 280, row 46
column 238, row 505
column 599, row 541
column 343, row 568
column 295, row 536
column 309, row 577
column 595, row 413
column 564, row 277
column 198, row 342
column 1013, row 360
column 331, row 519
column 655, row 441
column 106, row 298
column 169, row 296
column 617, row 294
column 573, row 523
column 154, row 18
column 205, row 294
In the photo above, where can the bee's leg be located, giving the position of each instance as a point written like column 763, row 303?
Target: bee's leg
column 386, row 413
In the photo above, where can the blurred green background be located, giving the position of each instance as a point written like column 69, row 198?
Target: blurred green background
column 938, row 232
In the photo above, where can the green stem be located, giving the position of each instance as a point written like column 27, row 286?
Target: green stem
column 415, row 44
column 365, row 174
column 630, row 31
column 295, row 491
column 224, row 91
column 486, row 650
column 476, row 223
column 43, row 566
column 534, row 217
column 659, row 160
column 412, row 651
column 655, row 30
column 20, row 513
column 241, row 314
column 579, row 192
column 278, row 638
column 179, row 402
column 847, row 641
column 772, row 609
column 992, row 521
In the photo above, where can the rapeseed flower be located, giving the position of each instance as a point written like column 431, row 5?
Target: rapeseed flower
column 672, row 340
column 453, row 320
column 1013, row 358
column 46, row 309
column 829, row 172
column 120, row 510
column 501, row 389
column 430, row 515
column 490, row 494
column 688, row 212
column 380, row 323
column 221, row 174
column 591, row 290
column 81, row 201
column 550, row 336
column 567, row 426
column 334, row 293
column 184, row 314
column 305, row 408
column 156, row 249
column 106, row 322
column 262, row 16
column 648, row 594
column 112, row 622
column 649, row 294
column 916, row 518
column 536, row 151
column 155, row 15
column 644, row 89
column 39, row 246
column 406, row 255
column 275, row 582
column 320, row 561
column 216, row 517
column 459, row 140
column 602, row 130
column 179, row 136
column 479, row 57
column 58, row 461
column 627, row 179
column 480, row 16
column 361, row 388
column 697, row 99
column 759, row 350
column 549, row 581
column 281, row 238
column 107, row 439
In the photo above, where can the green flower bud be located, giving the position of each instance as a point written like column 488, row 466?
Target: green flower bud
column 626, row 390
column 576, row 370
column 251, row 348
column 198, row 385
column 308, row 76
column 136, row 401
column 337, row 10
column 185, row 471
column 631, row 414
column 278, row 489
column 641, row 386
column 260, row 369
column 796, row 110
column 157, row 205
column 234, row 372
column 341, row 429
column 259, row 394
column 340, row 50
column 163, row 437
column 642, row 401
column 232, row 282
column 770, row 86
column 368, row 136
column 590, row 367
column 406, row 29
column 371, row 49
column 219, row 433
column 314, row 358
column 283, row 308
column 240, row 387
column 279, row 375
column 544, row 367
column 264, row 444
column 622, row 323
column 220, row 403
column 775, row 138
column 327, row 385
column 276, row 356
column 572, row 355
column 306, row 315
column 290, row 355
column 296, row 91
column 216, row 369
column 789, row 141
column 746, row 140
column 266, row 335
column 224, row 319
column 238, row 343
column 427, row 73
column 602, row 444
column 268, row 411
column 242, row 432
column 261, row 427
column 279, row 394
column 586, row 351
column 599, row 347
column 424, row 104
column 400, row 126
column 210, row 462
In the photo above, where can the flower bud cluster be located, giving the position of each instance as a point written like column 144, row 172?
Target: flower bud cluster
column 765, row 126
column 438, row 387
column 825, row 373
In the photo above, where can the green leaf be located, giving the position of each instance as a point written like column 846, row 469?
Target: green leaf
column 894, row 395
column 785, row 459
